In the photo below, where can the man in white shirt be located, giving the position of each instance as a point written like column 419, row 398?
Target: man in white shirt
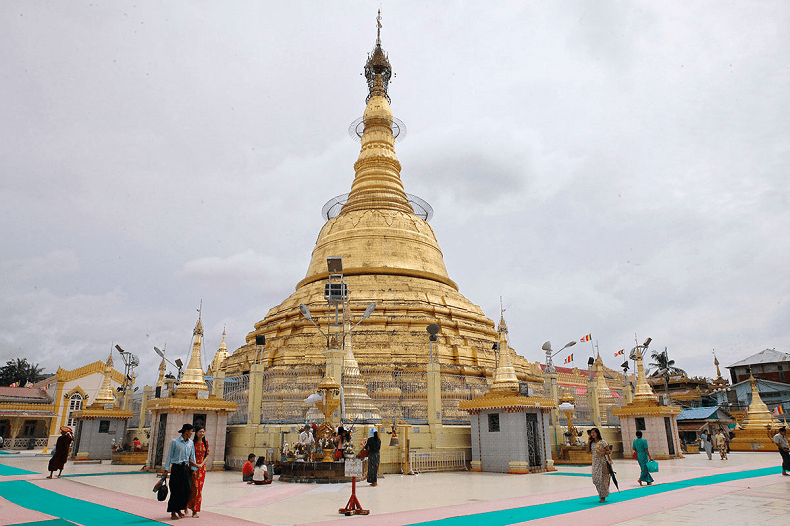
column 780, row 439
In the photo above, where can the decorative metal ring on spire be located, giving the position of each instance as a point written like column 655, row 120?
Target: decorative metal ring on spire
column 357, row 128
column 334, row 206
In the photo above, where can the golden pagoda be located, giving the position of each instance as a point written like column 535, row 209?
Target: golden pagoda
column 190, row 403
column 391, row 257
column 758, row 428
column 100, row 422
column 657, row 422
column 493, row 450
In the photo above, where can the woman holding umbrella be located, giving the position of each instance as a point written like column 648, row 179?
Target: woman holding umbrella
column 600, row 451
column 642, row 456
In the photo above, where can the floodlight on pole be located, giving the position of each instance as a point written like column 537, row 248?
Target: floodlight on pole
column 433, row 330
column 551, row 354
column 365, row 315
column 306, row 313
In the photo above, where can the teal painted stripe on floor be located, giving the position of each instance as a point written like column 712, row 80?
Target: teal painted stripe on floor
column 51, row 522
column 6, row 471
column 23, row 493
column 550, row 509
column 138, row 472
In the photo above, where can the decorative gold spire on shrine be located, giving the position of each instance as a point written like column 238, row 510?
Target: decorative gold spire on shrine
column 600, row 379
column 757, row 415
column 219, row 357
column 644, row 392
column 160, row 382
column 505, row 379
column 193, row 379
column 105, row 394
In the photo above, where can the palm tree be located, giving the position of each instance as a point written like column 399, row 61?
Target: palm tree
column 20, row 371
column 663, row 365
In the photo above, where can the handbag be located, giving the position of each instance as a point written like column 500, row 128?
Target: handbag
column 634, row 456
column 160, row 488
column 652, row 466
column 363, row 453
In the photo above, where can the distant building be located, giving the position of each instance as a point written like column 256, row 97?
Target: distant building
column 769, row 364
column 73, row 390
column 25, row 417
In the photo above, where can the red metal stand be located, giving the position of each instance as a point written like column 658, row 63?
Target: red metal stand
column 353, row 507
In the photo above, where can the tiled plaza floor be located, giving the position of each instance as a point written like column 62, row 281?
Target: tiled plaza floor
column 746, row 489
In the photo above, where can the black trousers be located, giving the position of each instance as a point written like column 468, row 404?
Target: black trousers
column 785, row 460
column 180, row 481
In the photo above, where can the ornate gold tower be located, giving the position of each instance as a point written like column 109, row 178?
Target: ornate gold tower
column 390, row 256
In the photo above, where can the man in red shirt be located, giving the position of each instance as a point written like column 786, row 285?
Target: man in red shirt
column 248, row 469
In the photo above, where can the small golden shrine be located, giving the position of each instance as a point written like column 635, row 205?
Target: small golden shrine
column 657, row 422
column 102, row 423
column 574, row 451
column 191, row 403
column 502, row 415
column 758, row 428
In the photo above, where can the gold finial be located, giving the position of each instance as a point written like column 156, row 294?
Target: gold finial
column 378, row 29
column 505, row 379
column 193, row 379
column 105, row 394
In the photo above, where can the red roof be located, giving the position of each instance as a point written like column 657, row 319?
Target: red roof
column 30, row 395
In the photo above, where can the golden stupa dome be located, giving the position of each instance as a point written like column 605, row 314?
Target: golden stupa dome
column 391, row 257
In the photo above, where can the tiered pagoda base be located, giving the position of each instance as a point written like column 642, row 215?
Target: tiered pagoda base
column 573, row 456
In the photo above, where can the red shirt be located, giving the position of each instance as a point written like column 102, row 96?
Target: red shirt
column 248, row 468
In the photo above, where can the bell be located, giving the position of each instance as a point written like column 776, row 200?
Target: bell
column 394, row 440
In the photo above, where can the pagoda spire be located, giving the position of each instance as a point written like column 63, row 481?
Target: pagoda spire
column 193, row 379
column 505, row 379
column 105, row 394
column 377, row 183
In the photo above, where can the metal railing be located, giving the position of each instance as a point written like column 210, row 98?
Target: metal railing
column 398, row 394
column 425, row 461
column 237, row 389
column 454, row 389
column 284, row 392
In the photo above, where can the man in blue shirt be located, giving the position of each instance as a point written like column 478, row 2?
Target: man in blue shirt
column 179, row 462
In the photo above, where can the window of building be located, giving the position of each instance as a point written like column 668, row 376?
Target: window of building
column 29, row 428
column 104, row 426
column 640, row 424
column 75, row 404
column 493, row 423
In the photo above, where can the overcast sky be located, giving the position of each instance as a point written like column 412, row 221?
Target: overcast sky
column 613, row 168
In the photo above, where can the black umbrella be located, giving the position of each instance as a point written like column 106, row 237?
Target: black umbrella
column 611, row 474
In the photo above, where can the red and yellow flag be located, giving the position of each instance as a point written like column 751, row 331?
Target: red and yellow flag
column 586, row 338
column 569, row 359
column 619, row 353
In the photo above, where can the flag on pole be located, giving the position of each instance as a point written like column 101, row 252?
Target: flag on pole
column 779, row 411
column 586, row 338
column 619, row 353
column 569, row 359
column 15, row 384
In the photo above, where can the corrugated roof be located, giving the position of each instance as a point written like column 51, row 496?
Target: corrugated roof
column 697, row 413
column 766, row 356
column 23, row 393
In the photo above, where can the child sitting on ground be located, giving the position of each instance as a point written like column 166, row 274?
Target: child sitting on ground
column 260, row 476
column 248, row 469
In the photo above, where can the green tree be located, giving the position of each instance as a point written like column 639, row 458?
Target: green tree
column 663, row 365
column 21, row 371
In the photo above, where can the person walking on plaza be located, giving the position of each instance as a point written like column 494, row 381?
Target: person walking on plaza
column 706, row 443
column 721, row 444
column 780, row 439
column 600, row 451
column 179, row 463
column 373, row 447
column 198, row 475
column 61, row 454
column 642, row 456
